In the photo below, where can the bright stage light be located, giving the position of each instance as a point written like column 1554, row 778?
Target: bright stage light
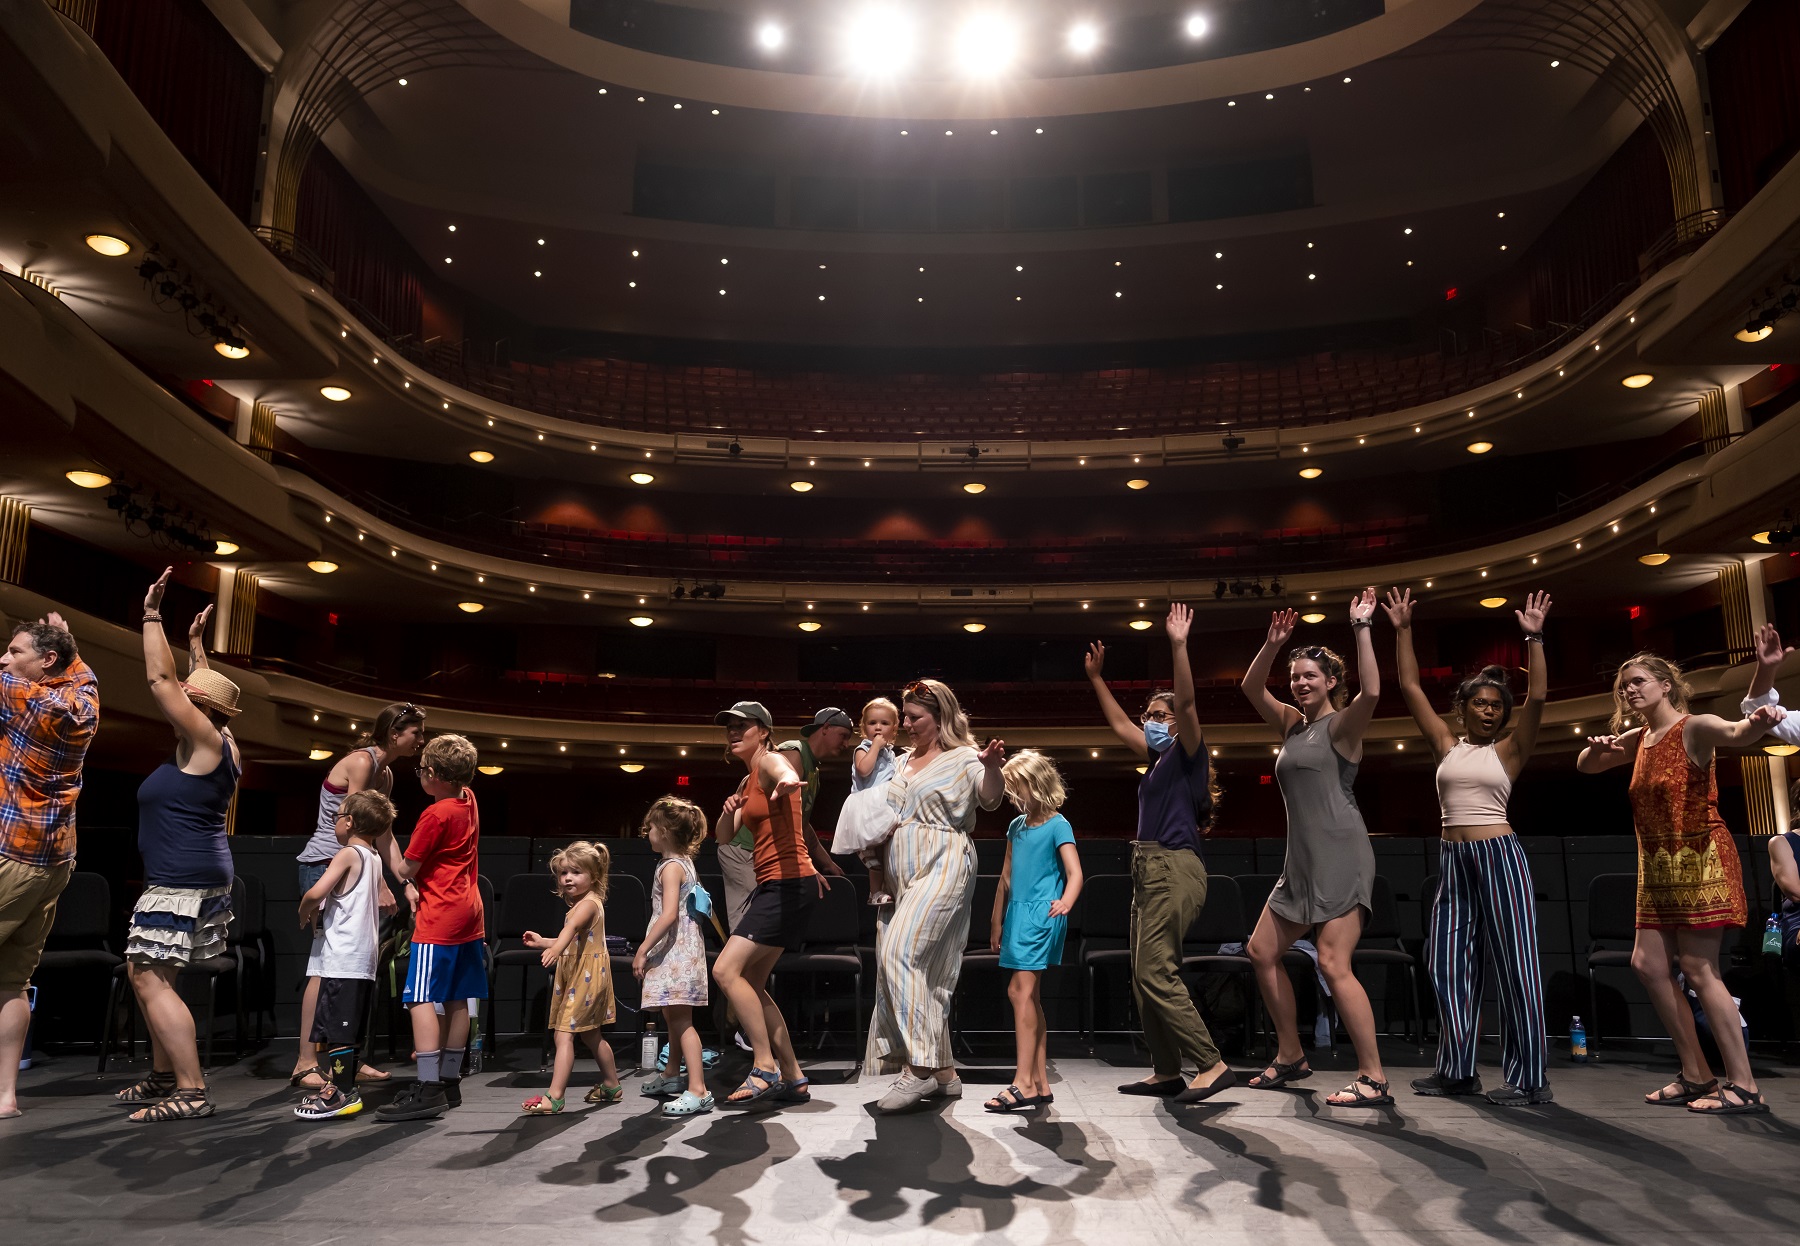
column 986, row 45
column 879, row 42
column 770, row 37
column 1084, row 37
column 1195, row 26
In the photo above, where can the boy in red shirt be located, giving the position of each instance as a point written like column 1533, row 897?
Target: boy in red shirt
column 449, row 960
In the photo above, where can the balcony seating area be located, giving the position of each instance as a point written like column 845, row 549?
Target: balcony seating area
column 1030, row 560
column 1136, row 402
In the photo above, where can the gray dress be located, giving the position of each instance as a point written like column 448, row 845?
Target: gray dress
column 1330, row 866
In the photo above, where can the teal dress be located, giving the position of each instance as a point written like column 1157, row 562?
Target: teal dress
column 1031, row 938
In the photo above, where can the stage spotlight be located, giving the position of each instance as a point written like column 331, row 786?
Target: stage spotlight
column 986, row 45
column 1195, row 27
column 1756, row 329
column 1084, row 38
column 770, row 37
column 878, row 42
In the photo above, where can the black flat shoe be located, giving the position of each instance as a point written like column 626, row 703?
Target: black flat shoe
column 1198, row 1094
column 1156, row 1090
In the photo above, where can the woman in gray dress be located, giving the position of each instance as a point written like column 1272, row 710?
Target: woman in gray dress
column 1330, row 869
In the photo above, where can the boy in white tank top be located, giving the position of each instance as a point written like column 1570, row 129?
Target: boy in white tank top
column 344, row 950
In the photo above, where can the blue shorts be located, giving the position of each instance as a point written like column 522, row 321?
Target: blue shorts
column 441, row 972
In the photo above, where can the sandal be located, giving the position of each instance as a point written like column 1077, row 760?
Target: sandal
column 298, row 1081
column 541, row 1105
column 687, row 1103
column 1380, row 1099
column 1748, row 1101
column 796, row 1091
column 606, row 1094
column 1012, row 1099
column 1689, row 1092
column 772, row 1085
column 152, row 1089
column 184, row 1104
column 1285, row 1074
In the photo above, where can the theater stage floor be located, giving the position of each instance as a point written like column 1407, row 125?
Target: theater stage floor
column 1097, row 1168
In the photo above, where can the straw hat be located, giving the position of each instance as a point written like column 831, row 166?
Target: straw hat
column 212, row 691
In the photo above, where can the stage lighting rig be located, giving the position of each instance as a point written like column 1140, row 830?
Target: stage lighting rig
column 171, row 290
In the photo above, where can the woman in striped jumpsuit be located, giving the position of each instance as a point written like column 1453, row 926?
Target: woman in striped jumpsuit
column 919, row 941
column 1485, row 905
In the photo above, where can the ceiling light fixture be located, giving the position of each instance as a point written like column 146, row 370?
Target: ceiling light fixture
column 1479, row 447
column 88, row 480
column 1653, row 560
column 974, row 486
column 974, row 627
column 640, row 620
column 1493, row 603
column 1311, row 473
column 225, row 548
column 1637, row 380
column 491, row 771
column 334, row 393
column 770, row 37
column 324, row 566
column 642, row 478
column 1312, row 616
column 1195, row 27
column 232, row 348
column 801, row 486
column 878, row 42
column 1140, row 625
column 470, row 607
column 108, row 245
column 482, row 456
column 1137, row 484
column 1084, row 38
column 809, row 625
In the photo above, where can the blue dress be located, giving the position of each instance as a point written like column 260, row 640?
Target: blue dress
column 1031, row 938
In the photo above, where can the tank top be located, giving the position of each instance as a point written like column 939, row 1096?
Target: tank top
column 181, row 823
column 778, row 841
column 1315, row 781
column 324, row 845
column 345, row 946
column 1472, row 785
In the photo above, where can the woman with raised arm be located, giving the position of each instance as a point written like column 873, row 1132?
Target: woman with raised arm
column 1326, row 881
column 182, row 916
column 1176, row 801
column 920, row 938
column 1690, row 884
column 1485, row 904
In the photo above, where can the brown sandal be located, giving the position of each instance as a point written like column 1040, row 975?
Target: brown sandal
column 1690, row 1091
column 152, row 1089
column 185, row 1104
column 1747, row 1101
column 1380, row 1099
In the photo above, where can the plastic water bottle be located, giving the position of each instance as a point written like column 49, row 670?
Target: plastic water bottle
column 1772, row 936
column 648, row 1047
column 1578, row 1041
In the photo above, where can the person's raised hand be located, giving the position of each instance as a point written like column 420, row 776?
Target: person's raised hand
column 1095, row 661
column 1606, row 745
column 1179, row 623
column 1362, row 606
column 198, row 626
column 154, row 594
column 55, row 620
column 1768, row 646
column 1766, row 716
column 1281, row 625
column 993, row 753
column 1399, row 607
column 786, row 787
column 1531, row 618
column 532, row 938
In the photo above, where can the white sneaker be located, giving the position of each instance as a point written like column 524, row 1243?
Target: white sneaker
column 951, row 1089
column 906, row 1092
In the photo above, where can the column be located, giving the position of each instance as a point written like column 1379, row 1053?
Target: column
column 1744, row 599
column 234, row 612
column 15, row 527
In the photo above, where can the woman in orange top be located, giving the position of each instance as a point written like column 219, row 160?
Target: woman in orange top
column 1690, row 884
column 768, row 804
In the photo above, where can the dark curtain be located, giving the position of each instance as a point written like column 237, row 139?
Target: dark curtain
column 1754, row 73
column 375, row 271
column 1593, row 244
column 196, row 82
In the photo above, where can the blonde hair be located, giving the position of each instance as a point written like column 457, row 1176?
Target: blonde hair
column 953, row 725
column 590, row 858
column 1033, row 781
column 451, row 757
column 879, row 703
column 370, row 812
column 1662, row 671
column 683, row 821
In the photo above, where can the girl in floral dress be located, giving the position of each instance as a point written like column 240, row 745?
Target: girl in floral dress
column 581, row 999
column 671, row 962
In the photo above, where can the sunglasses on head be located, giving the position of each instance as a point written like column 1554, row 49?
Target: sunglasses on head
column 919, row 691
column 1315, row 653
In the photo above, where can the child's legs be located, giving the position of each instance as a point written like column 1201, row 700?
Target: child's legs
column 427, row 1028
column 684, row 1045
column 563, row 1065
column 308, row 1055
column 603, row 1055
column 1021, row 992
column 456, row 1024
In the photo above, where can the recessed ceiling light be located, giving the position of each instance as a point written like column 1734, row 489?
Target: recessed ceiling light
column 642, row 478
column 1311, row 473
column 334, row 393
column 1754, row 332
column 640, row 620
column 88, row 480
column 1195, row 26
column 770, row 37
column 1135, row 484
column 1312, row 616
column 1480, row 447
column 324, row 566
column 470, row 607
column 225, row 548
column 809, row 625
column 1140, row 625
column 1653, row 560
column 801, row 486
column 974, row 486
column 1083, row 38
column 482, row 456
column 491, row 771
column 1637, row 380
column 317, row 754
column 974, row 627
column 631, row 767
column 1761, row 538
column 106, row 244
column 1493, row 603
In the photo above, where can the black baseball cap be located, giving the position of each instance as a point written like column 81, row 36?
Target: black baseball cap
column 830, row 716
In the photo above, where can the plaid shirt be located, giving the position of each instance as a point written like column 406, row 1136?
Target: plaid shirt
column 45, row 730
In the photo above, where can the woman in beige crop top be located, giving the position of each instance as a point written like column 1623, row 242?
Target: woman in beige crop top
column 1485, row 902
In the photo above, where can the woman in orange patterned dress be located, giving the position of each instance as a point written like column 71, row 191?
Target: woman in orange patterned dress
column 1690, row 884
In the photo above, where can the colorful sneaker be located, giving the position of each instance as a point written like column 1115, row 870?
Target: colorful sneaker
column 327, row 1103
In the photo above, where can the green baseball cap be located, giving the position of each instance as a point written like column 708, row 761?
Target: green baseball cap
column 745, row 711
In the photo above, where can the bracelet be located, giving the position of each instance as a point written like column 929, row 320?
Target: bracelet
column 150, row 616
column 1357, row 623
column 1536, row 638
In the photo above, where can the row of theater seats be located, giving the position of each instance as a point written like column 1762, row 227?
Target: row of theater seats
column 622, row 551
column 1200, row 397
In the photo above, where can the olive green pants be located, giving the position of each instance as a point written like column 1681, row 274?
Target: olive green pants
column 1168, row 890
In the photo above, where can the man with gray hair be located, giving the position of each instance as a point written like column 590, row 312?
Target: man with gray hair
column 49, row 710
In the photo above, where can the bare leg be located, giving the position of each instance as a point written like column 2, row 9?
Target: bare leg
column 456, row 1024
column 684, row 1044
column 742, row 971
column 1273, row 936
column 1337, row 939
column 1022, row 993
column 15, row 1020
column 564, row 1064
column 1652, row 954
column 428, row 1030
column 1699, row 951
column 1042, row 1061
column 308, row 1055
column 171, row 1025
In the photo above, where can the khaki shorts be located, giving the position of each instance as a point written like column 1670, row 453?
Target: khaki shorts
column 27, row 910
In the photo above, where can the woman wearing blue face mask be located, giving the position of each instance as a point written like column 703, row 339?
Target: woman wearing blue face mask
column 1176, row 801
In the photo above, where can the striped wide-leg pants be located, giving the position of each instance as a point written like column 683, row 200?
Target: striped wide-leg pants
column 919, row 944
column 1485, row 907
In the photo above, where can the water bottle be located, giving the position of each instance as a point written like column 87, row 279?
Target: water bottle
column 1772, row 936
column 647, row 1048
column 1578, row 1041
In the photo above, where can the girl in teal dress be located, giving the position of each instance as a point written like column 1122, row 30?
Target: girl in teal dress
column 1038, row 887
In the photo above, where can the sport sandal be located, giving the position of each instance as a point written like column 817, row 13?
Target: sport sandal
column 1689, row 1092
column 771, row 1086
column 1284, row 1074
column 1380, row 1099
column 1748, row 1101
